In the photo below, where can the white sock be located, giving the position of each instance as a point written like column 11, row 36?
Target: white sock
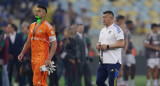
column 155, row 82
column 120, row 79
column 149, row 82
column 132, row 82
column 126, row 82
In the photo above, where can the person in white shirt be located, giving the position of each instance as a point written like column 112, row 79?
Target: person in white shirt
column 111, row 40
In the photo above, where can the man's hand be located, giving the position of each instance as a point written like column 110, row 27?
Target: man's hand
column 49, row 69
column 20, row 57
column 48, row 62
column 72, row 61
column 157, row 48
column 103, row 47
column 98, row 46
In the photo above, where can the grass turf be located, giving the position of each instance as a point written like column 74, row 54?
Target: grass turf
column 139, row 81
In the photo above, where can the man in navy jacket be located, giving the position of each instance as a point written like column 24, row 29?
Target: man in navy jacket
column 15, row 46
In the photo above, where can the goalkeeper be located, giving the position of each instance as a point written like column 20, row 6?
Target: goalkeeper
column 41, row 33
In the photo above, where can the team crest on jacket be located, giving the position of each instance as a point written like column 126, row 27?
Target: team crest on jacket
column 40, row 31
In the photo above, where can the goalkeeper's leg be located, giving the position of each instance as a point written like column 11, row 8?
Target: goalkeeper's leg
column 39, row 78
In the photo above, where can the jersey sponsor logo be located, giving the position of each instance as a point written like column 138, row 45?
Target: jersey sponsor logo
column 35, row 38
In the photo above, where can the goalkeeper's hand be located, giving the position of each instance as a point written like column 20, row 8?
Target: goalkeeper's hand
column 49, row 69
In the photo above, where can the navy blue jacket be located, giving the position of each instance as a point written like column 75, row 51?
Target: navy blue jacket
column 15, row 49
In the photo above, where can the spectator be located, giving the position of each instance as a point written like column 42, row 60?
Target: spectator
column 86, row 20
column 72, row 14
column 15, row 46
column 4, row 54
column 82, row 65
column 58, row 19
column 68, row 54
column 26, row 69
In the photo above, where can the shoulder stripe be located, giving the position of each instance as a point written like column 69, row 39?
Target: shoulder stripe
column 118, row 28
column 49, row 26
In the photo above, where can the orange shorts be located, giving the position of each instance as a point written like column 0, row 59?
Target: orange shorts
column 39, row 78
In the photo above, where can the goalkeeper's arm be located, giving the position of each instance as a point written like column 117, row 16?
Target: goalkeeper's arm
column 52, row 52
column 25, row 48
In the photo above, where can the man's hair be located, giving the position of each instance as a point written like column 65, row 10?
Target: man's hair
column 129, row 22
column 80, row 25
column 43, row 7
column 119, row 17
column 153, row 25
column 109, row 12
column 14, row 26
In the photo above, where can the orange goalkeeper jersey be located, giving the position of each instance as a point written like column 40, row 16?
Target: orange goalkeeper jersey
column 44, row 34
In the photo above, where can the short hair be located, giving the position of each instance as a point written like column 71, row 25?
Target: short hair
column 43, row 7
column 79, row 24
column 109, row 12
column 14, row 26
column 153, row 25
column 119, row 17
column 129, row 22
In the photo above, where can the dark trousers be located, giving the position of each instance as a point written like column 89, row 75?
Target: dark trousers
column 78, row 74
column 83, row 69
column 107, row 71
column 27, row 72
column 11, row 64
column 53, row 78
column 68, row 68
column 0, row 75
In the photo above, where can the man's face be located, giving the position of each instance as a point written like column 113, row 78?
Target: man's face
column 40, row 12
column 122, row 21
column 107, row 18
column 4, row 28
column 66, row 33
column 159, row 28
column 155, row 29
column 81, row 28
column 131, row 26
column 121, row 24
column 10, row 28
column 25, row 29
